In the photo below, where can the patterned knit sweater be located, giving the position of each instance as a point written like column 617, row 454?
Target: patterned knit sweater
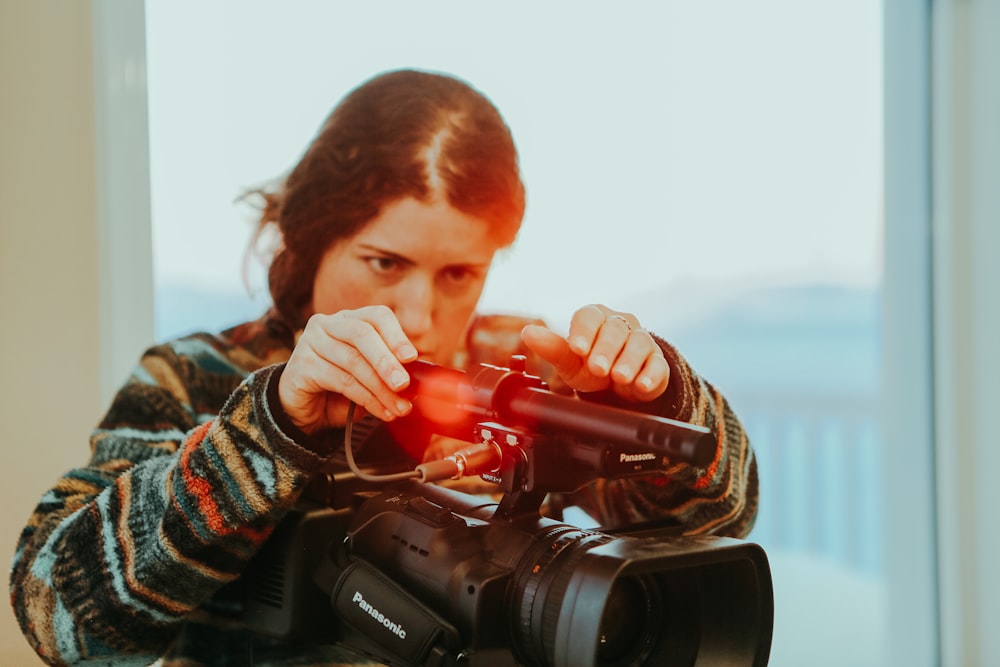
column 190, row 470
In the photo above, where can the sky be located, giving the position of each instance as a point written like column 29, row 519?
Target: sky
column 691, row 146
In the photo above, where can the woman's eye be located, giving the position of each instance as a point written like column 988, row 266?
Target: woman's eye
column 383, row 264
column 459, row 275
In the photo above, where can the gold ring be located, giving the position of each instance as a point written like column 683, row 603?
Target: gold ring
column 619, row 317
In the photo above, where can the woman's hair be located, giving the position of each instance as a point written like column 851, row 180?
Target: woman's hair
column 400, row 134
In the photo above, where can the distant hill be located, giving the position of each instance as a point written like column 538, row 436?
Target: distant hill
column 808, row 338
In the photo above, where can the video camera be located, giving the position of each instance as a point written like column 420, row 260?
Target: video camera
column 411, row 573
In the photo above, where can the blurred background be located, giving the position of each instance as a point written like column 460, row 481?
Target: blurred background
column 798, row 194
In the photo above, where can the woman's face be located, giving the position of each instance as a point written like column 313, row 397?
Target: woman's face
column 426, row 261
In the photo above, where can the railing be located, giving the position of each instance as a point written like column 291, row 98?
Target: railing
column 819, row 461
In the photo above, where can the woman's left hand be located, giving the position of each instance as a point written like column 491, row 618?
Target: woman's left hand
column 604, row 348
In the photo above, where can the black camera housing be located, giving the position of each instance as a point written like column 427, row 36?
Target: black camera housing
column 454, row 585
column 410, row 573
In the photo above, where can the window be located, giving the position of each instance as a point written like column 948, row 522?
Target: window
column 715, row 168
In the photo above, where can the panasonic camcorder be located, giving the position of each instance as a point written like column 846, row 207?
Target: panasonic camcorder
column 411, row 573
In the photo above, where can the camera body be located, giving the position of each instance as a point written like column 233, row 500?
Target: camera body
column 411, row 573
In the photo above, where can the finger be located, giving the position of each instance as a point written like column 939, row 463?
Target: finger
column 391, row 332
column 570, row 366
column 654, row 377
column 377, row 335
column 639, row 347
column 612, row 337
column 322, row 385
column 652, row 371
column 310, row 393
column 553, row 348
column 357, row 355
column 633, row 355
column 387, row 406
column 312, row 387
column 583, row 328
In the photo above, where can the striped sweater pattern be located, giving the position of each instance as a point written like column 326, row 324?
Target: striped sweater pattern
column 190, row 471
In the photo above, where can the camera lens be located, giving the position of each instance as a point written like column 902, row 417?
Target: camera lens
column 631, row 614
column 559, row 584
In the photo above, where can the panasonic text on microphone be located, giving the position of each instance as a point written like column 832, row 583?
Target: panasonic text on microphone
column 633, row 458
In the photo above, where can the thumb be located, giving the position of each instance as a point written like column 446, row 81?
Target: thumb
column 553, row 348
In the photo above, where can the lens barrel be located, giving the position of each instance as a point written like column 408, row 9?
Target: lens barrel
column 632, row 616
column 624, row 624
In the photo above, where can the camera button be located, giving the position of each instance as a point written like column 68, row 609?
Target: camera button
column 425, row 509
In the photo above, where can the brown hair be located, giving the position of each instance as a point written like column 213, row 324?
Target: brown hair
column 400, row 134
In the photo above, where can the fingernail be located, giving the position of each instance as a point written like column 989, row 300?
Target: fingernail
column 602, row 363
column 407, row 351
column 579, row 344
column 646, row 382
column 403, row 407
column 624, row 371
column 397, row 379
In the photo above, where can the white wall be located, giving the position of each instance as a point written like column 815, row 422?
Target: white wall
column 57, row 305
column 48, row 269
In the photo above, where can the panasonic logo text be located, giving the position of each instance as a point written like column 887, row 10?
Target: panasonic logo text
column 394, row 628
column 632, row 458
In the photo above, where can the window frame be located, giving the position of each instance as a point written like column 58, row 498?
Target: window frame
column 907, row 319
column 965, row 103
column 124, row 217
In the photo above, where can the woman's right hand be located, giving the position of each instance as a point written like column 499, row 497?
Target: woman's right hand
column 350, row 356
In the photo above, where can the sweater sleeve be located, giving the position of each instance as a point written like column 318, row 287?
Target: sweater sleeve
column 719, row 499
column 174, row 501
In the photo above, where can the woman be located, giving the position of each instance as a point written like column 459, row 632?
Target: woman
column 388, row 227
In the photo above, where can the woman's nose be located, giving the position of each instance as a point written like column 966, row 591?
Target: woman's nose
column 415, row 307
